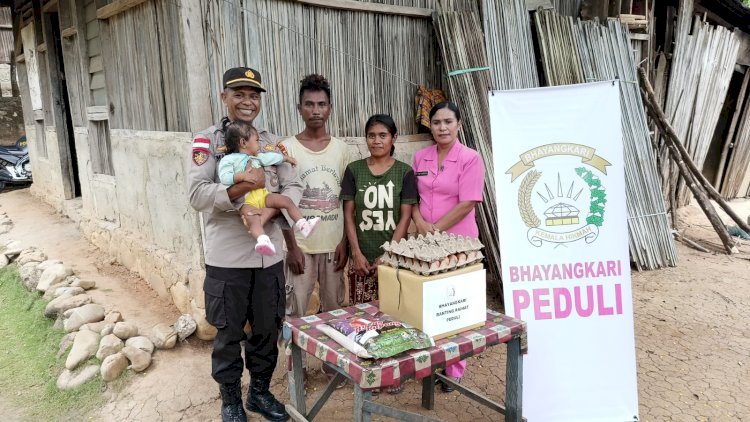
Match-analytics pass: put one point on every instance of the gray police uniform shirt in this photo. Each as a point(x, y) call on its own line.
point(227, 242)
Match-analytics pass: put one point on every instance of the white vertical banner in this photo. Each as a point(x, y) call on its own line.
point(559, 175)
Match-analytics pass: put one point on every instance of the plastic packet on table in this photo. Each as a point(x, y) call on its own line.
point(376, 338)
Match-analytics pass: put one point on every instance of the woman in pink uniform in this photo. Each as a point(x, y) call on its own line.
point(450, 182)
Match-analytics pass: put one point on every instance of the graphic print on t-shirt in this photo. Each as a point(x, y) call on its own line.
point(323, 197)
point(378, 212)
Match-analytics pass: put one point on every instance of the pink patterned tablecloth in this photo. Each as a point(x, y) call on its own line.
point(371, 374)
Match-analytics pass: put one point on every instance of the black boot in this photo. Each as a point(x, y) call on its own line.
point(231, 402)
point(260, 400)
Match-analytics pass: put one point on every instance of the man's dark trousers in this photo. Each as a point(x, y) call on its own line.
point(235, 296)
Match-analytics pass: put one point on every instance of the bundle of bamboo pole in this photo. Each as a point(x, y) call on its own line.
point(700, 187)
point(598, 53)
point(559, 51)
point(463, 51)
point(510, 49)
point(702, 67)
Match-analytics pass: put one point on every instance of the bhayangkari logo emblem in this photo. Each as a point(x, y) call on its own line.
point(559, 198)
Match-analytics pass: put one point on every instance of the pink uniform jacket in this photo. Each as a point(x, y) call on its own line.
point(461, 178)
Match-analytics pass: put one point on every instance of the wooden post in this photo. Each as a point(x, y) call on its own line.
point(199, 108)
point(672, 136)
point(514, 382)
point(60, 118)
point(428, 392)
point(691, 180)
point(297, 380)
point(360, 413)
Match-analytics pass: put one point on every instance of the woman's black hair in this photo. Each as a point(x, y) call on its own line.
point(384, 120)
point(450, 105)
point(236, 131)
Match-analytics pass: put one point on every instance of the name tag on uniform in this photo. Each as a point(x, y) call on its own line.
point(423, 173)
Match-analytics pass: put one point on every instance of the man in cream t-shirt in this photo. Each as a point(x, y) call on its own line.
point(321, 160)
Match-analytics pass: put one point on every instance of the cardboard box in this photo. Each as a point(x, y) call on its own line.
point(439, 305)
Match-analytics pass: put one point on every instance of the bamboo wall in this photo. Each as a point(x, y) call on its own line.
point(147, 84)
point(373, 61)
point(6, 36)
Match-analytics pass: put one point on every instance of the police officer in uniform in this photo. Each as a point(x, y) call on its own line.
point(241, 286)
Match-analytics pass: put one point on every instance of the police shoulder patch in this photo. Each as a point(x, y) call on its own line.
point(200, 156)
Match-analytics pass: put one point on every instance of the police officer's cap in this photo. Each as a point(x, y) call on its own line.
point(243, 76)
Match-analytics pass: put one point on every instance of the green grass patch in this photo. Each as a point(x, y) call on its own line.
point(28, 366)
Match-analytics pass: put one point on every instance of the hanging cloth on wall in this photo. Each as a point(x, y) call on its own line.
point(424, 101)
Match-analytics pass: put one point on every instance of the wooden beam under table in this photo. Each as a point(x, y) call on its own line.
point(415, 12)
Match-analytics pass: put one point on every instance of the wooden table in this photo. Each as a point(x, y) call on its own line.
point(367, 374)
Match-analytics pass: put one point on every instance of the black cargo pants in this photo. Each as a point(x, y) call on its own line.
point(235, 296)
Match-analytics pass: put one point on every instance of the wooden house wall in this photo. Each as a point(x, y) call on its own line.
point(90, 29)
point(6, 36)
point(147, 80)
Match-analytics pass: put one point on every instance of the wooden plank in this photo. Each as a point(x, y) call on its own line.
point(428, 392)
point(92, 29)
point(69, 32)
point(743, 56)
point(391, 412)
point(65, 13)
point(117, 6)
point(294, 414)
point(473, 395)
point(537, 4)
point(89, 12)
point(360, 414)
point(58, 106)
point(96, 64)
point(97, 81)
point(50, 7)
point(416, 12)
point(97, 113)
point(85, 98)
point(99, 96)
point(323, 397)
point(514, 381)
point(198, 83)
point(297, 380)
point(94, 47)
point(639, 37)
point(20, 58)
point(73, 76)
point(627, 17)
point(41, 47)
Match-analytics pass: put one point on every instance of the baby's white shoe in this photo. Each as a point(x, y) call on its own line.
point(306, 227)
point(264, 246)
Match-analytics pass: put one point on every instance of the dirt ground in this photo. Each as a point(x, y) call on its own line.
point(691, 324)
